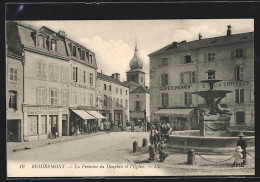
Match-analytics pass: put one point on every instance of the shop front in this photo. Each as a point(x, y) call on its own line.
point(81, 122)
point(137, 116)
point(179, 119)
point(39, 121)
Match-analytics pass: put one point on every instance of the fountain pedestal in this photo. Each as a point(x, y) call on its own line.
point(214, 125)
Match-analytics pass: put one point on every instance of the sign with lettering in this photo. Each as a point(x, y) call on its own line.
point(178, 87)
point(229, 84)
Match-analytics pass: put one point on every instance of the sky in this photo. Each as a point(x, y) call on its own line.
point(113, 41)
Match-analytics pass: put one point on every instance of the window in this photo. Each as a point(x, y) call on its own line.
point(142, 79)
point(165, 100)
point(84, 76)
point(54, 97)
point(110, 88)
point(53, 72)
point(187, 59)
point(137, 105)
point(239, 72)
point(164, 62)
point(239, 53)
point(240, 95)
point(74, 51)
point(105, 100)
point(91, 58)
point(91, 78)
point(212, 75)
point(32, 125)
point(126, 103)
point(137, 96)
point(75, 97)
point(121, 92)
point(116, 90)
point(85, 99)
point(188, 77)
point(121, 102)
point(64, 97)
point(126, 92)
point(41, 96)
point(164, 79)
point(40, 41)
point(105, 86)
point(43, 124)
point(83, 55)
point(13, 74)
point(53, 45)
point(40, 70)
point(240, 117)
point(187, 98)
point(64, 73)
point(211, 56)
point(91, 99)
point(252, 94)
point(12, 100)
point(75, 74)
point(56, 72)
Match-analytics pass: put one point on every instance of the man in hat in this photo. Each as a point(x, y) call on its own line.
point(242, 143)
point(154, 137)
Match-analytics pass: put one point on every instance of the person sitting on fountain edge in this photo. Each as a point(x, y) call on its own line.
point(165, 130)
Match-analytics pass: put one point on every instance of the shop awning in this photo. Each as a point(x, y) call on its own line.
point(178, 112)
point(83, 114)
point(96, 114)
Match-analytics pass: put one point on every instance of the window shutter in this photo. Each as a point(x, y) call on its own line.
point(17, 101)
point(190, 77)
point(162, 79)
point(166, 79)
point(181, 76)
point(241, 72)
point(44, 70)
point(236, 73)
point(233, 54)
point(206, 57)
point(242, 96)
point(76, 74)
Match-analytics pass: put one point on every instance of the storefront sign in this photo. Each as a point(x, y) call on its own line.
point(229, 84)
point(42, 108)
point(178, 87)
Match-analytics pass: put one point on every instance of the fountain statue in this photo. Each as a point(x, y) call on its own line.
point(214, 119)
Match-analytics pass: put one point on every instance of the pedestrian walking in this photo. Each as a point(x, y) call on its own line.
point(243, 144)
point(108, 126)
point(144, 126)
point(111, 126)
point(54, 131)
point(238, 157)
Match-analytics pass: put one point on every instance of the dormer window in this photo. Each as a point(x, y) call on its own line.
point(40, 41)
point(83, 55)
point(187, 59)
point(74, 51)
point(53, 45)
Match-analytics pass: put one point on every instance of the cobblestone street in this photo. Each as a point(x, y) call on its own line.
point(116, 149)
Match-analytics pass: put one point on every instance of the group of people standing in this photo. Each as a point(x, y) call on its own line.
point(107, 126)
point(140, 126)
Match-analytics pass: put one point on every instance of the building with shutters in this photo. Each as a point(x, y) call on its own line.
point(113, 99)
point(14, 95)
point(177, 69)
point(59, 81)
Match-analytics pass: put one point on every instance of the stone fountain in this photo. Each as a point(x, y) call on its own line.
point(213, 120)
point(213, 135)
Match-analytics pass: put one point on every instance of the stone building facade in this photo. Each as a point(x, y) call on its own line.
point(59, 78)
point(177, 69)
point(113, 99)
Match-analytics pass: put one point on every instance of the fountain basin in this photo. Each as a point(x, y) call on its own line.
point(191, 139)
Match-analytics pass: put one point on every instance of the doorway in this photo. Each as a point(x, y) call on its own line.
point(64, 125)
point(14, 130)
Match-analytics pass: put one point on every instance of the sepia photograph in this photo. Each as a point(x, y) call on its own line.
point(111, 98)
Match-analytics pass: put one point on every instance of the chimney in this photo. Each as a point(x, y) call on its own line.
point(62, 33)
point(199, 36)
point(117, 76)
point(229, 30)
point(175, 44)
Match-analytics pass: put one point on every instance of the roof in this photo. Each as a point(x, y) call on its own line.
point(204, 43)
point(132, 85)
point(140, 89)
point(110, 79)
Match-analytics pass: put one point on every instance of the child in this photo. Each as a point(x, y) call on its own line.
point(162, 150)
point(238, 157)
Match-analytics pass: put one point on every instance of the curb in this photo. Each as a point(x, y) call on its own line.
point(53, 142)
